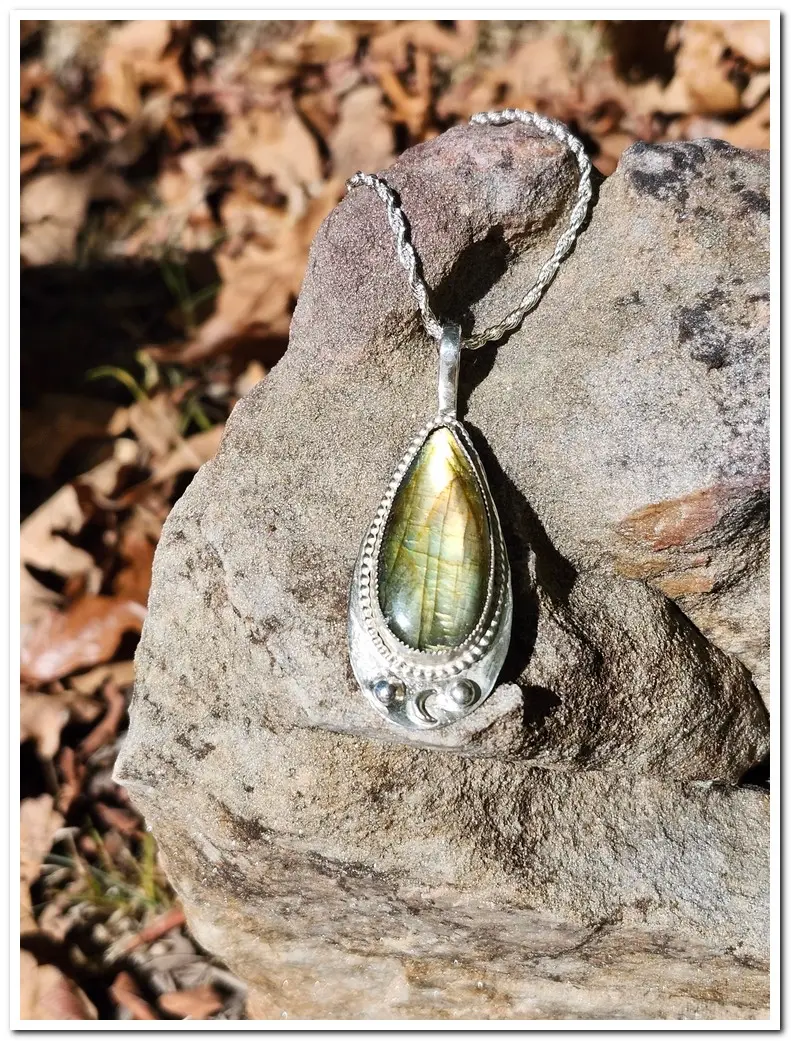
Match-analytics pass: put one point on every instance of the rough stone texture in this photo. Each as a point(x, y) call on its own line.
point(358, 880)
point(624, 431)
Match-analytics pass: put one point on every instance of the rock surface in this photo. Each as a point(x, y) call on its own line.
point(624, 431)
point(342, 878)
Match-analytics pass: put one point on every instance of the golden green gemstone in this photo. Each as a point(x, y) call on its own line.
point(434, 559)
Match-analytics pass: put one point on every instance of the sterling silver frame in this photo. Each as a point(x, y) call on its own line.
point(427, 689)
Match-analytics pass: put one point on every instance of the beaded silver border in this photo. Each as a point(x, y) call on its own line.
point(418, 688)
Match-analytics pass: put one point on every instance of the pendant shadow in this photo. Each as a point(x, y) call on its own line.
point(477, 269)
point(481, 265)
point(524, 535)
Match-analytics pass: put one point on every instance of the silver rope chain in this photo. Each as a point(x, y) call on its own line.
point(406, 253)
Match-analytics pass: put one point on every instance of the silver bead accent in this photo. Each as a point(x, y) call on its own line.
point(463, 692)
point(386, 691)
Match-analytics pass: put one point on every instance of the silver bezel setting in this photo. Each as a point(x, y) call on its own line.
point(422, 689)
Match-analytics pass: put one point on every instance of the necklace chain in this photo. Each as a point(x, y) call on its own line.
point(406, 253)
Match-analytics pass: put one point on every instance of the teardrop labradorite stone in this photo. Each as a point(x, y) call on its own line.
point(434, 558)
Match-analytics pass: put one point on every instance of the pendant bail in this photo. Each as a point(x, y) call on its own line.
point(449, 356)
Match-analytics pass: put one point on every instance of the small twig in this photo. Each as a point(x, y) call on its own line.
point(51, 775)
point(124, 991)
point(107, 728)
point(171, 919)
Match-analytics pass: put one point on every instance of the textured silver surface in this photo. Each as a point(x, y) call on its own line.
point(448, 384)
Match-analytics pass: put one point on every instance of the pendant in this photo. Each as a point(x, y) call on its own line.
point(430, 605)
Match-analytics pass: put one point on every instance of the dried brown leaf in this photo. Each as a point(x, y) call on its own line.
point(38, 824)
point(106, 731)
point(363, 138)
point(750, 39)
point(393, 45)
point(155, 422)
point(45, 140)
point(122, 673)
point(72, 773)
point(259, 285)
point(47, 994)
point(701, 73)
point(197, 1003)
point(410, 107)
point(86, 633)
point(52, 210)
point(756, 90)
point(125, 992)
point(132, 60)
point(58, 422)
point(43, 547)
point(44, 537)
point(753, 130)
point(124, 821)
point(136, 548)
point(42, 717)
point(191, 454)
point(117, 89)
point(61, 910)
point(280, 146)
point(252, 375)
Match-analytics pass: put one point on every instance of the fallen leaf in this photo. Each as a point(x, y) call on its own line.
point(191, 454)
point(117, 89)
point(106, 730)
point(253, 374)
point(410, 107)
point(136, 549)
point(748, 38)
point(756, 90)
point(185, 216)
point(52, 210)
point(155, 422)
point(197, 1003)
point(540, 69)
point(84, 634)
point(44, 538)
point(122, 820)
point(38, 824)
point(363, 138)
point(47, 994)
point(125, 992)
point(394, 44)
point(72, 773)
point(42, 717)
point(122, 673)
point(612, 147)
point(44, 547)
point(277, 145)
point(259, 286)
point(702, 73)
point(327, 40)
point(134, 59)
point(39, 140)
point(59, 913)
point(58, 422)
point(753, 130)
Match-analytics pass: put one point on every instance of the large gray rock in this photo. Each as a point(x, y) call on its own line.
point(624, 430)
point(344, 878)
